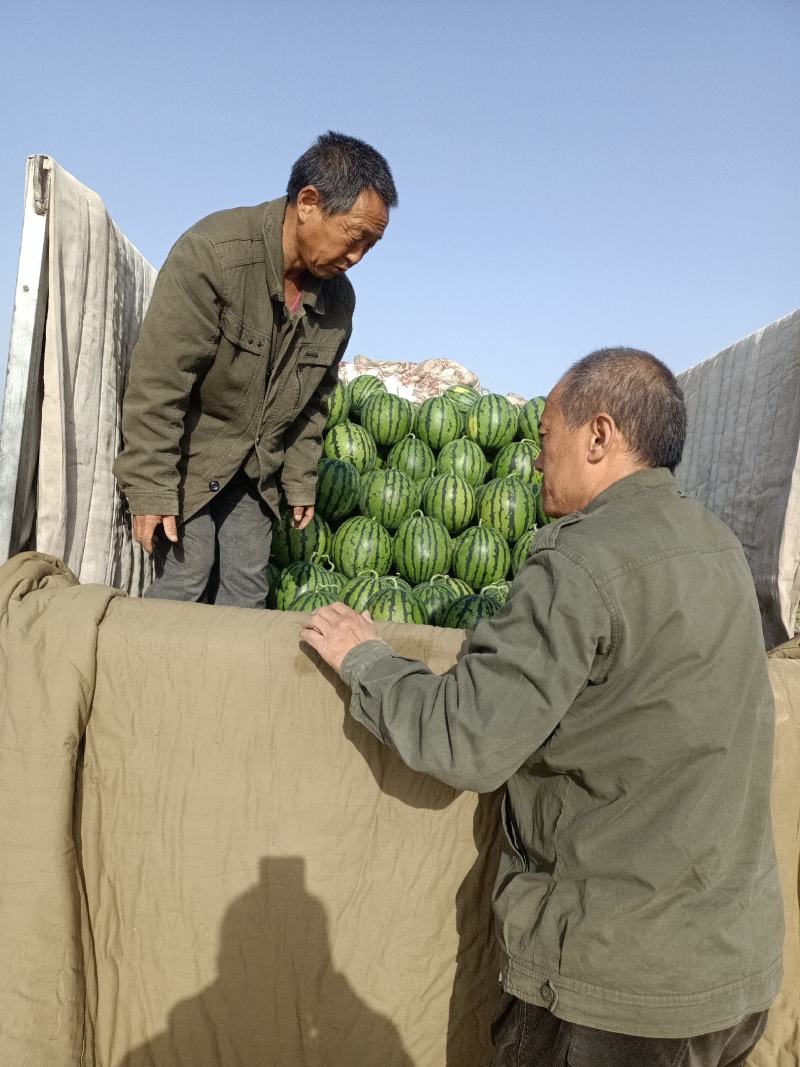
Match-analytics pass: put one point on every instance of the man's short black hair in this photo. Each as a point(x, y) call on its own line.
point(340, 168)
point(638, 391)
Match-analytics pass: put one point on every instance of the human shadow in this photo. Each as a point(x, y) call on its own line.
point(278, 1000)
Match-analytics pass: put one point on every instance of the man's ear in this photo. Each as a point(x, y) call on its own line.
point(603, 433)
point(308, 201)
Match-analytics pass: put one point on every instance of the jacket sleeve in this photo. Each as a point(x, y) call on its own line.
point(177, 343)
point(474, 727)
point(303, 440)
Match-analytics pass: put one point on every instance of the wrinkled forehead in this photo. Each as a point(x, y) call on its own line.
point(552, 410)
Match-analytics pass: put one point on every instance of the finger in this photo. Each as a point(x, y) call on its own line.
point(313, 640)
point(297, 517)
point(170, 527)
point(366, 615)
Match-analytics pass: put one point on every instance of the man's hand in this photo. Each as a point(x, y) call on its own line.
point(335, 630)
point(144, 527)
point(302, 516)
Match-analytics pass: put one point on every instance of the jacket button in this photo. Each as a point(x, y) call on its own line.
point(546, 992)
point(214, 486)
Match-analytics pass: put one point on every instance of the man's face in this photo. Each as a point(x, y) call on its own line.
point(331, 244)
point(563, 461)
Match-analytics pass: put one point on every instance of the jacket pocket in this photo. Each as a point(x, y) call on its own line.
point(511, 831)
point(313, 360)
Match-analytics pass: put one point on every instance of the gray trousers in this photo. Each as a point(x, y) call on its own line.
point(222, 552)
point(527, 1036)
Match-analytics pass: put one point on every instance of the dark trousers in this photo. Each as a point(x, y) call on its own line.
point(222, 552)
point(526, 1036)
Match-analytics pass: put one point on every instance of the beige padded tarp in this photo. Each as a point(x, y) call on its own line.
point(741, 458)
point(250, 879)
point(205, 863)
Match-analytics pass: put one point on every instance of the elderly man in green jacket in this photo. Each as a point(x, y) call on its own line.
point(238, 351)
point(621, 698)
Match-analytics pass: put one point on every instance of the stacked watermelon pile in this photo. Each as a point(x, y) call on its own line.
point(423, 512)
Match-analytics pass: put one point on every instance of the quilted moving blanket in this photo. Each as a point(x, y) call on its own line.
point(205, 863)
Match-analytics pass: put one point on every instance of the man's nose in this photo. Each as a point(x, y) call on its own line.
point(354, 257)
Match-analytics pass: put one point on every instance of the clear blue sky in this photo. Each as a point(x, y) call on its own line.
point(570, 174)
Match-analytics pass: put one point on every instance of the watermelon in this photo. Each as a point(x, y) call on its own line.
point(361, 389)
point(508, 506)
point(434, 598)
point(413, 457)
point(438, 422)
point(492, 421)
point(362, 544)
point(464, 458)
point(542, 518)
point(387, 418)
point(313, 599)
point(528, 421)
point(466, 612)
point(395, 604)
point(480, 557)
point(337, 406)
point(449, 499)
point(521, 550)
point(290, 545)
point(497, 592)
point(421, 548)
point(357, 591)
point(388, 496)
point(518, 459)
point(463, 396)
point(352, 442)
point(301, 578)
point(338, 485)
point(459, 587)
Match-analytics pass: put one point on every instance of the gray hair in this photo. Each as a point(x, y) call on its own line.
point(340, 168)
point(638, 391)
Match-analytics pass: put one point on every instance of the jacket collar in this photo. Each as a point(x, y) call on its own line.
point(658, 478)
point(272, 230)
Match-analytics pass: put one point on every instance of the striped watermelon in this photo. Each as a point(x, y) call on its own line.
point(338, 484)
point(290, 545)
point(360, 389)
point(459, 587)
point(508, 506)
point(273, 577)
point(337, 406)
point(362, 544)
point(521, 550)
point(413, 457)
point(438, 422)
point(464, 458)
point(529, 417)
point(434, 598)
point(498, 591)
point(463, 396)
point(301, 578)
point(313, 599)
point(480, 557)
point(352, 442)
point(466, 612)
point(542, 518)
point(394, 603)
point(492, 422)
point(387, 418)
point(357, 591)
point(518, 459)
point(388, 496)
point(449, 499)
point(421, 548)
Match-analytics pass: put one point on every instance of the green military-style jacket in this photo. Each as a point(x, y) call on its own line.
point(222, 375)
point(622, 698)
